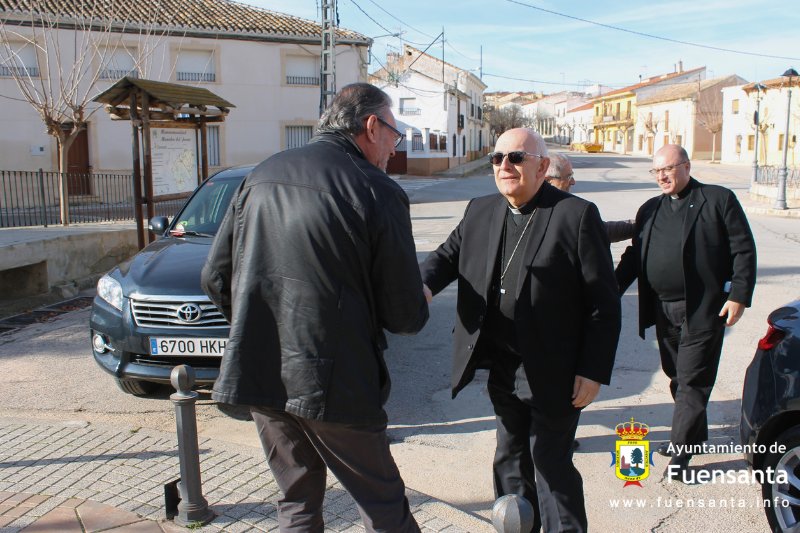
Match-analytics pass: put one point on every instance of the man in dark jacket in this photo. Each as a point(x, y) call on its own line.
point(560, 175)
point(525, 259)
point(695, 259)
point(314, 259)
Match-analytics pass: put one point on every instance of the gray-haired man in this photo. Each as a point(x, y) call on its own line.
point(314, 259)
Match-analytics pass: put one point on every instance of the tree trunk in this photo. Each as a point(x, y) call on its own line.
point(713, 147)
point(63, 181)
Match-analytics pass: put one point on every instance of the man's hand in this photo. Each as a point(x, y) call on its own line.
point(584, 391)
point(427, 292)
point(733, 310)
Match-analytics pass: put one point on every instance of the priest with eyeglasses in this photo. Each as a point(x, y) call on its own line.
point(538, 306)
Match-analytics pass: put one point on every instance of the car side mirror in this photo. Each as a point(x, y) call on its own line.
point(158, 225)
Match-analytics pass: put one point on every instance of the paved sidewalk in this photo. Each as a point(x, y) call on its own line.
point(84, 478)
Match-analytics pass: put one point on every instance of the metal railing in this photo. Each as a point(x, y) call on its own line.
point(6, 71)
point(302, 80)
point(410, 111)
point(196, 76)
point(117, 73)
point(769, 175)
point(32, 198)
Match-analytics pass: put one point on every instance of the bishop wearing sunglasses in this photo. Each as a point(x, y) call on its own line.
point(524, 259)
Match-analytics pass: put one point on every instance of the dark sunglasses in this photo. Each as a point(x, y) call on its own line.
point(397, 132)
point(515, 158)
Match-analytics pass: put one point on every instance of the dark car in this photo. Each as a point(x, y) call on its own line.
point(150, 313)
point(770, 425)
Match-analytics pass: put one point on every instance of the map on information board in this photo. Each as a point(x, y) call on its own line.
point(174, 156)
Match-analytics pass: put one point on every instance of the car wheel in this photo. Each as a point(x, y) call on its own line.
point(237, 412)
point(136, 387)
point(783, 512)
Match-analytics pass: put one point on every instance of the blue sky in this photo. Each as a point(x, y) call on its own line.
point(559, 52)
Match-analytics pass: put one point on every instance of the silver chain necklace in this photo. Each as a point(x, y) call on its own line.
point(508, 264)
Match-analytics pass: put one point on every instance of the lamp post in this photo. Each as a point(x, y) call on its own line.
point(780, 200)
point(757, 121)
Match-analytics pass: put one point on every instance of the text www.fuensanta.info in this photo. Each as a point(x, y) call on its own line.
point(700, 503)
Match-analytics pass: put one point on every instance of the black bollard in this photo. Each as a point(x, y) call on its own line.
point(193, 508)
point(512, 514)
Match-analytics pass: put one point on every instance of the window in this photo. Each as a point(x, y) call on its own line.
point(212, 146)
point(679, 140)
point(641, 142)
point(666, 120)
point(416, 143)
point(628, 110)
point(302, 70)
point(738, 144)
point(443, 142)
point(666, 139)
point(751, 143)
point(119, 63)
point(735, 106)
point(297, 136)
point(195, 65)
point(408, 106)
point(433, 140)
point(454, 145)
point(780, 141)
point(20, 61)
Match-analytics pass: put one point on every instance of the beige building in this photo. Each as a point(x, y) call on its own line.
point(688, 114)
point(265, 63)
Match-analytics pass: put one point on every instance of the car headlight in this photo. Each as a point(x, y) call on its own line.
point(110, 290)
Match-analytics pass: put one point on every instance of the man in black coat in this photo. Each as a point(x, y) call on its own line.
point(314, 259)
point(537, 304)
point(695, 259)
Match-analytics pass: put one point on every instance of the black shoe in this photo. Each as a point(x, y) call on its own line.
point(663, 449)
point(677, 469)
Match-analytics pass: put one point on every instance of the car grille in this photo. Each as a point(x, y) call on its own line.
point(177, 314)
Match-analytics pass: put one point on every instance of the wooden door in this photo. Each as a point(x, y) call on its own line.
point(78, 165)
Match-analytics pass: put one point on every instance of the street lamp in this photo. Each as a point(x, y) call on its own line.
point(757, 121)
point(780, 200)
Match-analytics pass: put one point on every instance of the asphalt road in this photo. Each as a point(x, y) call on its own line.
point(444, 447)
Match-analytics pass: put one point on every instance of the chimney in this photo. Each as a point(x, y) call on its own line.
point(680, 66)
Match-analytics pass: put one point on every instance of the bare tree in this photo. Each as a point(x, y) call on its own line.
point(507, 118)
point(708, 113)
point(61, 86)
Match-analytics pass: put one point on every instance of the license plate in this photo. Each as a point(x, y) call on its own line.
point(187, 346)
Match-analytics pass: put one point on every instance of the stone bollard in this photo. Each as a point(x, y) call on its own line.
point(512, 514)
point(193, 508)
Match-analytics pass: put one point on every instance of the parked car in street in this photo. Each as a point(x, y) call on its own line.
point(150, 313)
point(770, 423)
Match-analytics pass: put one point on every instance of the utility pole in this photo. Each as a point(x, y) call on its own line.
point(327, 64)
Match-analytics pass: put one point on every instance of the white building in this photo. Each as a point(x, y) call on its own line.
point(739, 130)
point(264, 63)
point(439, 106)
point(581, 122)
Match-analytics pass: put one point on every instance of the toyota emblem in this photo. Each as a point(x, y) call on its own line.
point(189, 313)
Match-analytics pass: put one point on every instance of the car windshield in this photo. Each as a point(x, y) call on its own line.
point(205, 210)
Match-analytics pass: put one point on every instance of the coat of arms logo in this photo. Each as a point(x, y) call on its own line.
point(632, 457)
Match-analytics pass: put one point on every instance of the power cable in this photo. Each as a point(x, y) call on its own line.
point(400, 21)
point(384, 28)
point(642, 34)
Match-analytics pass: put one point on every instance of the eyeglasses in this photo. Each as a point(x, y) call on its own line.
point(515, 158)
point(669, 169)
point(397, 132)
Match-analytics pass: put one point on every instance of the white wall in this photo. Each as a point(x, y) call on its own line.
point(249, 75)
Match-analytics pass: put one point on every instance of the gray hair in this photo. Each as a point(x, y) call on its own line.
point(557, 163)
point(351, 106)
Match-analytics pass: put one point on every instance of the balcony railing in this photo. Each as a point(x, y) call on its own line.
point(302, 80)
point(8, 72)
point(196, 76)
point(117, 73)
point(410, 111)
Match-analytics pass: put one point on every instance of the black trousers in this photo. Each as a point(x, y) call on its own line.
point(690, 360)
point(533, 458)
point(299, 450)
